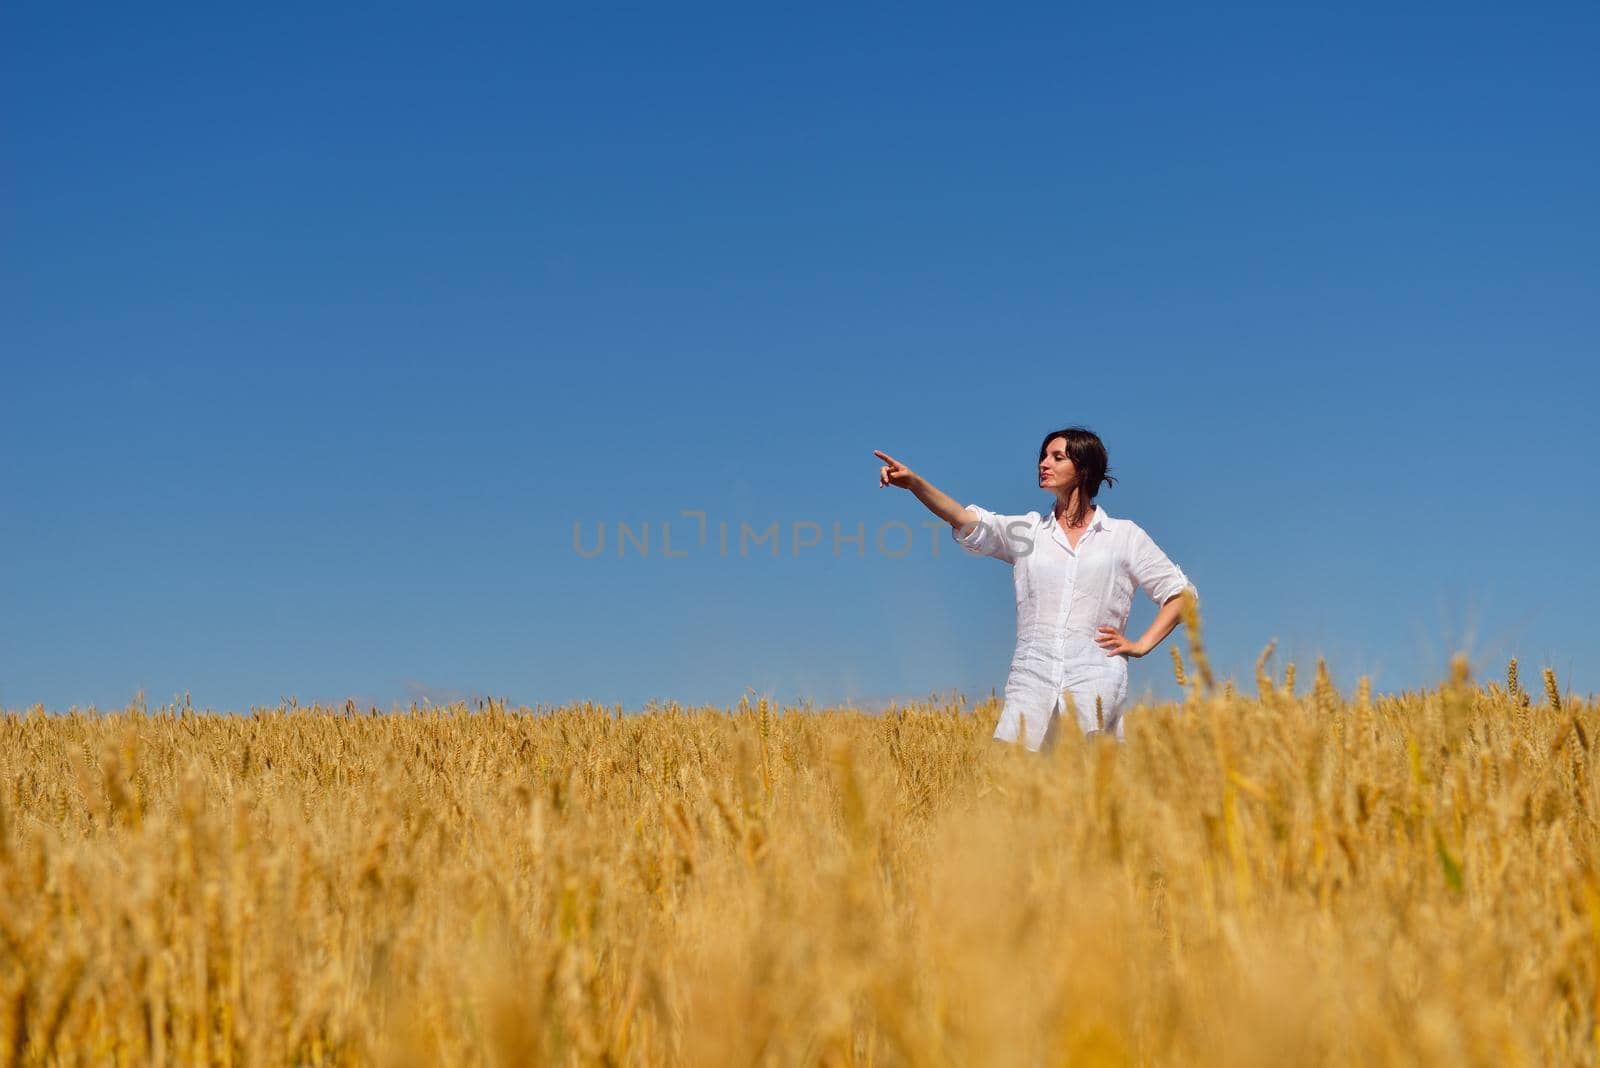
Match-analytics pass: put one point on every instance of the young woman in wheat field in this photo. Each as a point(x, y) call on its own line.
point(1074, 569)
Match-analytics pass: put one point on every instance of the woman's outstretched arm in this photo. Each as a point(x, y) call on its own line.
point(941, 504)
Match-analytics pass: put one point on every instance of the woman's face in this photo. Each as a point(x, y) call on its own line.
point(1056, 470)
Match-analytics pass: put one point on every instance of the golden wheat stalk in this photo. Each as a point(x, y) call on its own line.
point(1197, 649)
point(1264, 687)
point(1551, 691)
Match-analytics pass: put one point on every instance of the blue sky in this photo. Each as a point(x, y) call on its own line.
point(321, 326)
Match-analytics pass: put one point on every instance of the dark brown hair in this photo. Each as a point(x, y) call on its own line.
point(1088, 455)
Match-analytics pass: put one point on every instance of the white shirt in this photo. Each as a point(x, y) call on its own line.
point(1063, 596)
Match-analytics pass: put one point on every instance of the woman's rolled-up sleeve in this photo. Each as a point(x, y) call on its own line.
point(992, 535)
point(1154, 573)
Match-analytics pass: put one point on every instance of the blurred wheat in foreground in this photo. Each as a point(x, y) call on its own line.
point(1285, 879)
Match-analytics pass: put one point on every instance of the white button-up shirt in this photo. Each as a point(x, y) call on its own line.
point(1064, 595)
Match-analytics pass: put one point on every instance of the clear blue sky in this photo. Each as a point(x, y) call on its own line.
point(321, 326)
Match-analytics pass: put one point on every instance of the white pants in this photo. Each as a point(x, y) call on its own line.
point(1033, 700)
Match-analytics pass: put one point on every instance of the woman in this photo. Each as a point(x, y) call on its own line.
point(1075, 569)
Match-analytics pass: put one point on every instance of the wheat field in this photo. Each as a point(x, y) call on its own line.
point(1271, 878)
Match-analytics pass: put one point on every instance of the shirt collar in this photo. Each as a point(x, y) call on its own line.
point(1100, 520)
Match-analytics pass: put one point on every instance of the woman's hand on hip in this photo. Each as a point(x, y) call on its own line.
point(1115, 643)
